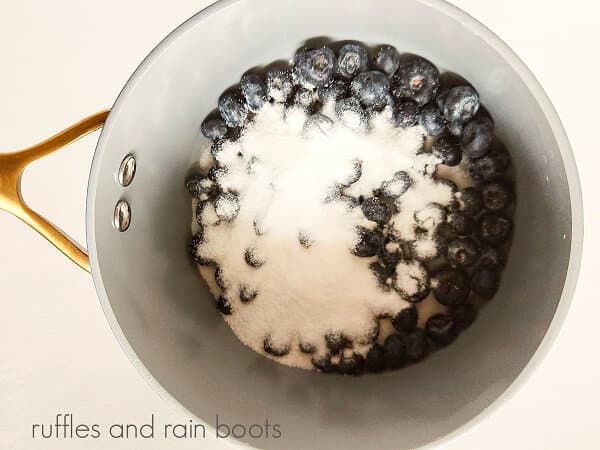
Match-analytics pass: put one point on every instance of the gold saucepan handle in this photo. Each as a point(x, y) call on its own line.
point(12, 166)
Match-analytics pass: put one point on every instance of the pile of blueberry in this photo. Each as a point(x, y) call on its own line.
point(460, 249)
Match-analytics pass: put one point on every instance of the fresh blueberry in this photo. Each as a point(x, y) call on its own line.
point(305, 240)
point(460, 223)
point(387, 59)
point(496, 196)
point(405, 320)
point(336, 341)
point(412, 281)
point(486, 280)
point(416, 79)
point(353, 59)
point(227, 206)
point(304, 98)
point(376, 211)
point(355, 173)
point(314, 68)
point(415, 345)
point(223, 305)
point(394, 349)
point(280, 84)
point(307, 348)
point(382, 271)
point(463, 252)
point(477, 136)
point(333, 91)
point(220, 279)
point(247, 294)
point(432, 120)
point(253, 258)
point(447, 149)
point(495, 229)
point(254, 91)
point(406, 114)
point(317, 125)
point(441, 329)
point(470, 201)
point(216, 173)
point(351, 114)
point(492, 257)
point(464, 315)
point(375, 360)
point(352, 365)
point(490, 167)
point(201, 188)
point(451, 287)
point(193, 250)
point(455, 129)
point(233, 109)
point(369, 242)
point(214, 129)
point(274, 350)
point(397, 186)
point(371, 88)
point(460, 104)
point(323, 364)
point(430, 217)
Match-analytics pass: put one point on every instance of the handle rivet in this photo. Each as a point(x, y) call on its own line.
point(126, 171)
point(122, 217)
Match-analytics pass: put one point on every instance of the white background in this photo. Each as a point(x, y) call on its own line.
point(62, 60)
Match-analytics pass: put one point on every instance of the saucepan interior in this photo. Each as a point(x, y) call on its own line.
point(164, 316)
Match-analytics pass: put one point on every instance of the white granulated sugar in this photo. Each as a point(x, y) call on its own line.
point(305, 290)
point(425, 248)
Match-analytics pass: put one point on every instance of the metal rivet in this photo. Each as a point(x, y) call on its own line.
point(122, 217)
point(126, 171)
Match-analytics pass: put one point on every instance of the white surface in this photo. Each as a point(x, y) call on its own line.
point(65, 60)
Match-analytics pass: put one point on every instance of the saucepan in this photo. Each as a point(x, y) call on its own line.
point(138, 222)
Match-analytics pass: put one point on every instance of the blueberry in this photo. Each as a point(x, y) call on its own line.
point(394, 349)
point(464, 315)
point(460, 104)
point(463, 252)
point(455, 129)
point(415, 345)
point(355, 173)
point(304, 98)
point(351, 114)
point(247, 294)
point(441, 329)
point(251, 165)
point(490, 167)
point(280, 84)
point(223, 305)
point(324, 364)
point(201, 188)
point(227, 206)
point(307, 348)
point(274, 350)
point(254, 91)
point(375, 360)
point(430, 217)
point(253, 258)
point(314, 68)
point(220, 279)
point(387, 59)
point(460, 223)
point(492, 257)
point(406, 320)
point(470, 201)
point(382, 271)
point(412, 281)
point(376, 211)
point(353, 365)
point(416, 79)
point(216, 173)
point(496, 196)
point(353, 58)
point(447, 149)
point(477, 136)
point(369, 242)
point(486, 280)
point(406, 114)
point(451, 287)
point(213, 129)
point(193, 248)
point(317, 125)
point(432, 120)
point(371, 88)
point(397, 186)
point(233, 109)
point(336, 341)
point(495, 229)
point(305, 240)
point(333, 91)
